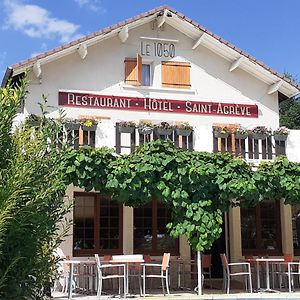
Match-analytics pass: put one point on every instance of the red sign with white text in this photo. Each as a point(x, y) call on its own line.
point(156, 105)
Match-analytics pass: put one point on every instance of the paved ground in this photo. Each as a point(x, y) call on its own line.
point(184, 296)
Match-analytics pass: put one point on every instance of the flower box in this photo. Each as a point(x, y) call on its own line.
point(124, 129)
point(221, 132)
point(259, 136)
point(164, 128)
point(183, 129)
point(183, 132)
point(88, 124)
point(241, 136)
point(145, 127)
point(145, 130)
point(281, 133)
point(260, 132)
point(164, 131)
point(280, 137)
point(89, 128)
point(72, 126)
point(222, 135)
point(127, 127)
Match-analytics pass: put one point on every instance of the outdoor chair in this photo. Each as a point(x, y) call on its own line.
point(135, 271)
point(63, 271)
point(255, 269)
point(164, 273)
point(206, 267)
point(228, 272)
point(293, 269)
point(110, 271)
point(280, 270)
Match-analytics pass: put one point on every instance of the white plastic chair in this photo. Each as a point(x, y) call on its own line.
point(63, 271)
point(110, 275)
point(228, 272)
point(164, 273)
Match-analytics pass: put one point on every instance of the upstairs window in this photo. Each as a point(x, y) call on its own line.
point(176, 74)
point(133, 70)
point(136, 72)
point(146, 74)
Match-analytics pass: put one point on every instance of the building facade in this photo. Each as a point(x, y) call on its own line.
point(162, 67)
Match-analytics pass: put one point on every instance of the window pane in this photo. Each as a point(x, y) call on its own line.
point(164, 241)
point(142, 239)
point(84, 223)
point(109, 224)
point(248, 227)
point(260, 228)
point(143, 227)
point(268, 228)
point(146, 75)
point(145, 224)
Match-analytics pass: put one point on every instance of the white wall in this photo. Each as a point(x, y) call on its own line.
point(293, 146)
point(102, 71)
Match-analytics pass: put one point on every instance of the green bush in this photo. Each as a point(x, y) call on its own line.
point(32, 206)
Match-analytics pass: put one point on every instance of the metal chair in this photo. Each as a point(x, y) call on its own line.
point(135, 270)
point(228, 272)
point(206, 266)
point(281, 269)
point(164, 273)
point(113, 275)
point(293, 269)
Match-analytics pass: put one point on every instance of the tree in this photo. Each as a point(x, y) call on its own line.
point(289, 109)
point(289, 112)
point(32, 188)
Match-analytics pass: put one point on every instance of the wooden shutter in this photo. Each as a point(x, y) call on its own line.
point(176, 74)
point(228, 144)
point(133, 70)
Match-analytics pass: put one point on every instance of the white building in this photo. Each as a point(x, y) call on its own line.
point(162, 66)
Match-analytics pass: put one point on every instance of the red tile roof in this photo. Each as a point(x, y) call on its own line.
point(32, 60)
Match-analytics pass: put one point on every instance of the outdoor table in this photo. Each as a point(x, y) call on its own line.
point(71, 263)
point(266, 260)
point(127, 259)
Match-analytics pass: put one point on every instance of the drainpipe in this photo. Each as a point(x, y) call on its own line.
point(7, 76)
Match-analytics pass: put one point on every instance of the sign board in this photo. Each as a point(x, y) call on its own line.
point(156, 105)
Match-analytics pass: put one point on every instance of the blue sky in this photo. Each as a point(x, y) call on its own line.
point(267, 29)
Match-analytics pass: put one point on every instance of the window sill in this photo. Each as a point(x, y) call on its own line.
point(158, 89)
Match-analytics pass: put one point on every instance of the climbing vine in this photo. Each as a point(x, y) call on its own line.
point(89, 168)
point(198, 186)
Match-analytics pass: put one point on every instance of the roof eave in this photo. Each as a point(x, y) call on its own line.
point(186, 25)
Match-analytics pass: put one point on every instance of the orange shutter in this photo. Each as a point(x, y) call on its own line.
point(231, 127)
point(80, 136)
point(176, 74)
point(133, 70)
